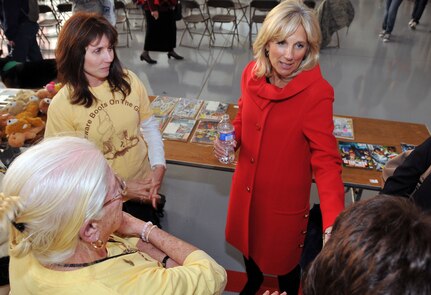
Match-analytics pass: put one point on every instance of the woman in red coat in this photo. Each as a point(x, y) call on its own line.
point(284, 127)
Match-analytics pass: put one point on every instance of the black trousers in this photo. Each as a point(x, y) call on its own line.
point(288, 283)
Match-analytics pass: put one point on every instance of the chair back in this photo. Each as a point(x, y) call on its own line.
point(43, 8)
point(190, 4)
point(221, 4)
point(64, 7)
point(264, 5)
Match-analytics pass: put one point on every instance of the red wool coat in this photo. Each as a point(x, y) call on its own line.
point(285, 137)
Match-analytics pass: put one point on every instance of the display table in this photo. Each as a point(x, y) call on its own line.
point(373, 131)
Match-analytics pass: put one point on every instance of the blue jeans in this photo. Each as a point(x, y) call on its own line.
point(418, 9)
point(26, 47)
point(390, 15)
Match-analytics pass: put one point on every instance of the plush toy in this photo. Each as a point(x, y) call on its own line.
point(44, 93)
point(3, 122)
point(15, 107)
point(53, 87)
point(19, 130)
point(44, 104)
point(24, 96)
point(31, 110)
point(15, 125)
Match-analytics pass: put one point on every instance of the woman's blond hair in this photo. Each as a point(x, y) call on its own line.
point(280, 23)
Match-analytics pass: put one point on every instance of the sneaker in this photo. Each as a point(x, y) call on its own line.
point(386, 37)
point(382, 33)
point(410, 22)
point(413, 25)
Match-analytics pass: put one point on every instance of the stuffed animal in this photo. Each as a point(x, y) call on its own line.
point(19, 130)
point(53, 87)
point(15, 107)
point(15, 125)
point(44, 104)
point(44, 93)
point(31, 110)
point(3, 122)
point(24, 96)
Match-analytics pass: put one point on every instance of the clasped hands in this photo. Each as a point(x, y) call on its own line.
point(147, 189)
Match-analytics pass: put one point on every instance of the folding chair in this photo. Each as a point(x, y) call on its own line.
point(241, 6)
point(258, 11)
point(194, 17)
point(64, 11)
point(215, 9)
point(48, 20)
point(122, 18)
point(136, 16)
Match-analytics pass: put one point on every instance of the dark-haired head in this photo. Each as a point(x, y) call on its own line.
point(78, 32)
point(378, 246)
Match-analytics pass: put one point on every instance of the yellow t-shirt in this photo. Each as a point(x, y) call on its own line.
point(135, 273)
point(112, 124)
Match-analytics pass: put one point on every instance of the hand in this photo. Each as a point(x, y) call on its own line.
point(130, 226)
point(155, 14)
point(274, 293)
point(219, 150)
point(156, 182)
point(139, 189)
point(327, 235)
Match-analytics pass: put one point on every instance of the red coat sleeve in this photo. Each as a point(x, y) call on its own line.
point(325, 159)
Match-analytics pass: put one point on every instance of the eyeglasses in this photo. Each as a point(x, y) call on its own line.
point(121, 194)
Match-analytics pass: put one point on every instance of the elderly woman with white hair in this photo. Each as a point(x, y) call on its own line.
point(62, 205)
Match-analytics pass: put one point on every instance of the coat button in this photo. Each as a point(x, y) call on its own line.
point(252, 160)
point(301, 245)
point(257, 126)
point(248, 189)
point(304, 232)
point(306, 215)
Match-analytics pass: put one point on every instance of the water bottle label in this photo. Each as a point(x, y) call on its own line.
point(227, 136)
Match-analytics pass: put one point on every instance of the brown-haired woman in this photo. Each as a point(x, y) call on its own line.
point(106, 104)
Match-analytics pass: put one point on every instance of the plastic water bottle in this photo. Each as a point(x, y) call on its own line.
point(226, 136)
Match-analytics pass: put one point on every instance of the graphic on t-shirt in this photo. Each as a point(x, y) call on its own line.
point(114, 143)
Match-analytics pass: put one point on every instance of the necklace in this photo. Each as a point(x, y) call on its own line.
point(126, 251)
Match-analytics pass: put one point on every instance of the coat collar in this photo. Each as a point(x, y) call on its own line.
point(267, 93)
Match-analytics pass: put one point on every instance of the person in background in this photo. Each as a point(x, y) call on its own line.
point(62, 205)
point(406, 180)
point(108, 105)
point(161, 32)
point(381, 245)
point(102, 7)
point(388, 24)
point(284, 128)
point(418, 10)
point(20, 28)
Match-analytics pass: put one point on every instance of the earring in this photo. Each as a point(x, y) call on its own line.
point(98, 244)
point(266, 53)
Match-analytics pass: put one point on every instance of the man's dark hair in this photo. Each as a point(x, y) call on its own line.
point(378, 246)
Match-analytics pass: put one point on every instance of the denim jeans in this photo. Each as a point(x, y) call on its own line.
point(390, 15)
